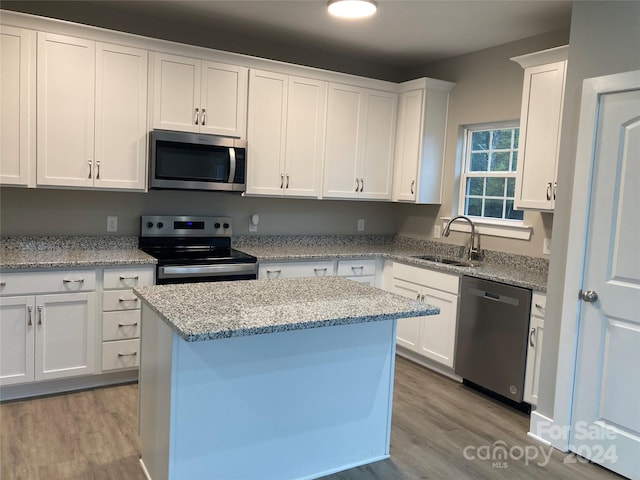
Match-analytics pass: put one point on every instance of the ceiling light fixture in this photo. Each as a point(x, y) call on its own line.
point(352, 8)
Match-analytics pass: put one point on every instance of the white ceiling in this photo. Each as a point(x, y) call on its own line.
point(402, 33)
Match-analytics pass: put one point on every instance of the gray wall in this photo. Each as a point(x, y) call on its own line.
point(74, 212)
point(605, 39)
point(488, 89)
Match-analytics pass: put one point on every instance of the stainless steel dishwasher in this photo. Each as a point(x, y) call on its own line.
point(491, 346)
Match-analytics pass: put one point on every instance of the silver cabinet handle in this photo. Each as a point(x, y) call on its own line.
point(128, 354)
point(135, 277)
point(549, 191)
point(418, 297)
point(357, 184)
point(282, 180)
point(90, 167)
point(413, 182)
point(362, 184)
point(274, 271)
point(555, 188)
point(97, 169)
point(357, 268)
point(422, 297)
point(30, 315)
point(134, 324)
point(196, 116)
point(324, 270)
point(204, 117)
point(541, 307)
point(287, 185)
point(81, 280)
point(3, 284)
point(532, 337)
point(40, 319)
point(127, 299)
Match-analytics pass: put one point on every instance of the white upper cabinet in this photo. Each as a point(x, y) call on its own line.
point(121, 117)
point(420, 137)
point(66, 110)
point(285, 134)
point(192, 95)
point(92, 104)
point(540, 124)
point(17, 106)
point(359, 146)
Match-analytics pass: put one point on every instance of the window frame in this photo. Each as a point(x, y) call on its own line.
point(465, 159)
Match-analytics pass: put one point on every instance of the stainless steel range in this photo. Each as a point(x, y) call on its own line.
point(194, 249)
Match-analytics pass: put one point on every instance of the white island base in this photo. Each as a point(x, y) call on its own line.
point(278, 406)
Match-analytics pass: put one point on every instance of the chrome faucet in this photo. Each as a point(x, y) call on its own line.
point(447, 231)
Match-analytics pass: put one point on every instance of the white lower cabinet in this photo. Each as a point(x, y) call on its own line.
point(121, 316)
point(432, 337)
point(534, 348)
point(47, 336)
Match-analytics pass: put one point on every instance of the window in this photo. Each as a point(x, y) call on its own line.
point(489, 173)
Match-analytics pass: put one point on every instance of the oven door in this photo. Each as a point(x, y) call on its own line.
point(206, 273)
point(189, 161)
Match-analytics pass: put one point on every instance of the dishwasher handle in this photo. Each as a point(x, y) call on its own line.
point(494, 297)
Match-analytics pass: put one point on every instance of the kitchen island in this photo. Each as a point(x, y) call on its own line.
point(266, 380)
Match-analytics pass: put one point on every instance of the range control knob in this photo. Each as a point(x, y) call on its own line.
point(216, 225)
point(226, 225)
point(160, 225)
point(149, 224)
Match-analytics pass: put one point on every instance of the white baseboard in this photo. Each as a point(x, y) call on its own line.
point(425, 362)
point(546, 431)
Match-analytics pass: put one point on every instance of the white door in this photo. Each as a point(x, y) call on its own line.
point(65, 335)
point(224, 99)
point(17, 106)
point(121, 117)
point(408, 329)
point(376, 161)
point(66, 106)
point(342, 145)
point(305, 137)
point(266, 132)
point(176, 93)
point(17, 329)
point(606, 408)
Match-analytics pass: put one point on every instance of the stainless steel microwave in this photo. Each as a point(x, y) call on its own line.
point(192, 161)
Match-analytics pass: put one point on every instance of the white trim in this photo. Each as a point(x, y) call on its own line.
point(540, 428)
point(557, 54)
point(490, 228)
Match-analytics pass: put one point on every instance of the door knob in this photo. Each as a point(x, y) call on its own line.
point(590, 296)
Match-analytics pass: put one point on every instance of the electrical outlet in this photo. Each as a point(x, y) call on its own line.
point(437, 231)
point(112, 224)
point(546, 246)
point(361, 224)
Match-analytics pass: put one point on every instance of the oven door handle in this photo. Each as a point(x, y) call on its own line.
point(206, 270)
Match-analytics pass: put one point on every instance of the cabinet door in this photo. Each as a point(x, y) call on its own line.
point(408, 329)
point(17, 106)
point(176, 93)
point(224, 99)
point(342, 145)
point(438, 332)
point(121, 117)
point(16, 340)
point(66, 99)
point(305, 137)
point(266, 133)
point(408, 145)
point(65, 335)
point(534, 349)
point(540, 122)
point(378, 137)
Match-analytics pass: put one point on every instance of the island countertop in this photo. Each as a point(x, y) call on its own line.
point(208, 311)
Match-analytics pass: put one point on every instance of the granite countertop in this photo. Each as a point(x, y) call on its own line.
point(18, 253)
point(207, 311)
point(518, 270)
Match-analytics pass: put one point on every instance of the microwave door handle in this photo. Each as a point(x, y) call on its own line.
point(232, 164)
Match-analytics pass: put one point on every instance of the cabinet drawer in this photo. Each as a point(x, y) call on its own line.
point(353, 268)
point(121, 325)
point(296, 270)
point(55, 281)
point(120, 354)
point(120, 300)
point(128, 277)
point(430, 278)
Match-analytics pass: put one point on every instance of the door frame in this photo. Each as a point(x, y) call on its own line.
point(552, 430)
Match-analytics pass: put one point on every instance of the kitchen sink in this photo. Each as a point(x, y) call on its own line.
point(444, 260)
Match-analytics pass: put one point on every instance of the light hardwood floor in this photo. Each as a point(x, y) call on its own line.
point(92, 435)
